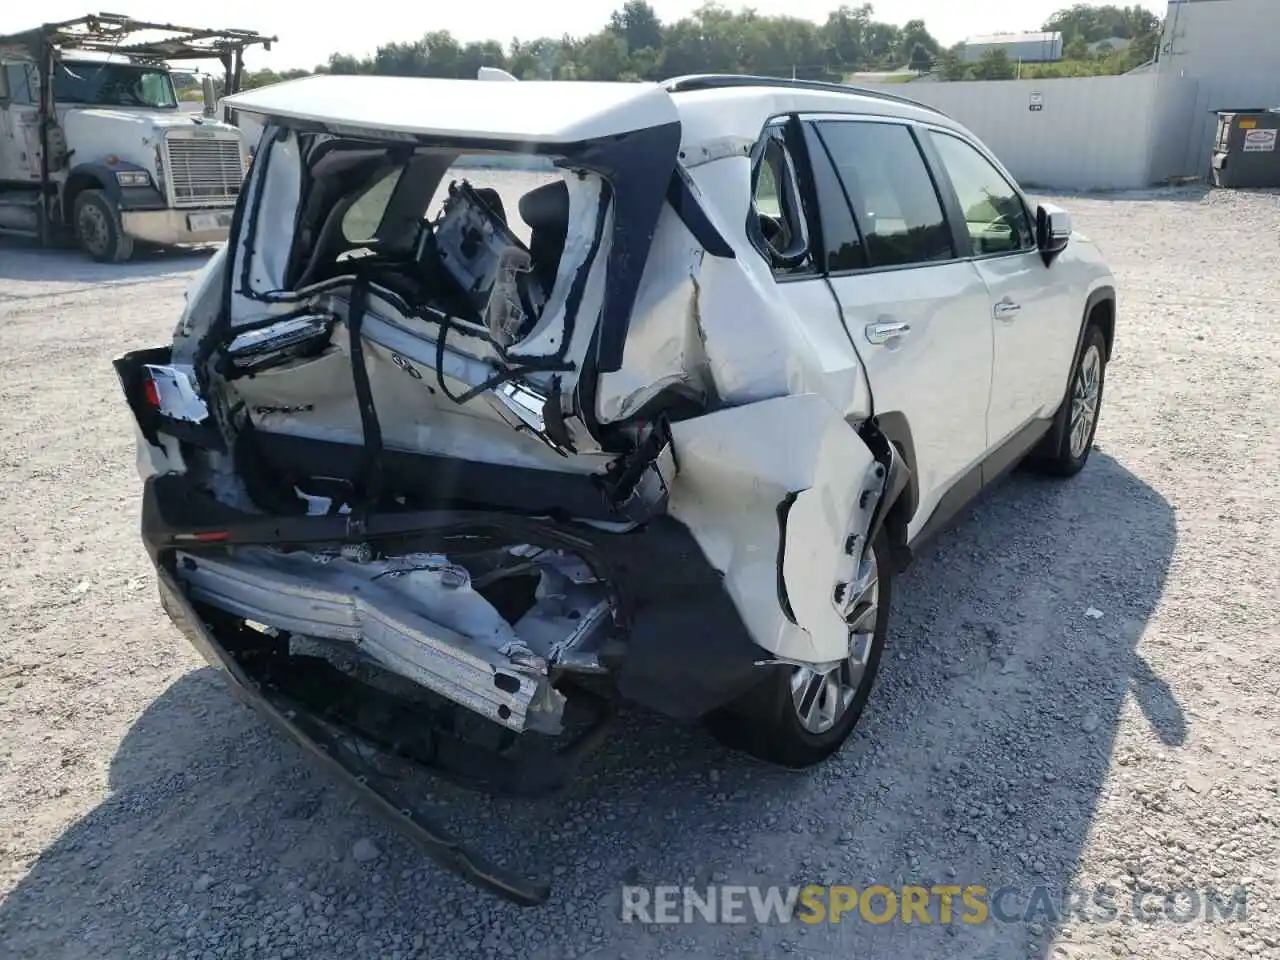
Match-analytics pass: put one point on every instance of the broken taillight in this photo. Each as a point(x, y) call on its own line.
point(170, 389)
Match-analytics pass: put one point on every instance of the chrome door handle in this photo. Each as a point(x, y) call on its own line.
point(1006, 309)
point(883, 332)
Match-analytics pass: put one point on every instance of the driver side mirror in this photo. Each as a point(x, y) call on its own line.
point(1053, 231)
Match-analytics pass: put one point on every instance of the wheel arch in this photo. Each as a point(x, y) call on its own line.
point(1099, 308)
point(87, 176)
point(905, 499)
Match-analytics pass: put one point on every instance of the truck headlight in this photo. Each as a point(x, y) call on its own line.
point(133, 178)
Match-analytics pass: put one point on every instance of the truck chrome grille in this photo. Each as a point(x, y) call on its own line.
point(203, 171)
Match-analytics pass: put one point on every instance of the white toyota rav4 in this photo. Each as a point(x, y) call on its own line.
point(414, 481)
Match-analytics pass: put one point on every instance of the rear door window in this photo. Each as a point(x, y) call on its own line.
point(890, 190)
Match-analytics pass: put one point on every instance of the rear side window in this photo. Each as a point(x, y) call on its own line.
point(994, 216)
point(361, 222)
point(776, 224)
point(893, 197)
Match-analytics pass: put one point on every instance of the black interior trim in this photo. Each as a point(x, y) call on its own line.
point(684, 201)
point(439, 479)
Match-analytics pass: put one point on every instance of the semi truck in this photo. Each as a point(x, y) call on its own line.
point(95, 146)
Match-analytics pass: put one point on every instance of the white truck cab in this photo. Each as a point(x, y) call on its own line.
point(95, 145)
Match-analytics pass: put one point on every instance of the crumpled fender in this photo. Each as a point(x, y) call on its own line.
point(781, 496)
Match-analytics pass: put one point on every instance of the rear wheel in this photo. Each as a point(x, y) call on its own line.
point(98, 228)
point(1077, 419)
point(799, 716)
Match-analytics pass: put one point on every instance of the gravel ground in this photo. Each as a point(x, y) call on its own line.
point(1015, 737)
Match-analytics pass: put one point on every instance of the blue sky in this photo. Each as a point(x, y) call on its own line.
point(308, 32)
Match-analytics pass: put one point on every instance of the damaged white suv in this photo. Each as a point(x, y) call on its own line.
point(413, 481)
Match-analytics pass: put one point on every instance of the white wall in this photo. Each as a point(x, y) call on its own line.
point(1092, 133)
point(1175, 133)
point(1228, 50)
point(1207, 38)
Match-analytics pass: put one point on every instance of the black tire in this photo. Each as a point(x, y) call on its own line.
point(1062, 455)
point(98, 230)
point(766, 723)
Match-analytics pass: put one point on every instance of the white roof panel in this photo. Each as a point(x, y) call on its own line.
point(524, 112)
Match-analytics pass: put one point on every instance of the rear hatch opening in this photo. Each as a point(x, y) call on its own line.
point(458, 260)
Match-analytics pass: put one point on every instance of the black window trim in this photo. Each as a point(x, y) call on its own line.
point(793, 141)
point(954, 209)
point(815, 146)
point(812, 120)
point(954, 215)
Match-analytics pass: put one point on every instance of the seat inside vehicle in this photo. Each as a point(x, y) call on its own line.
point(493, 200)
point(546, 210)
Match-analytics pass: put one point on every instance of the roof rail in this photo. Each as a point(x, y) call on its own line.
point(719, 81)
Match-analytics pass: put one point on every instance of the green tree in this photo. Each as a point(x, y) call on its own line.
point(914, 34)
point(602, 56)
point(950, 64)
point(994, 65)
point(476, 55)
point(646, 64)
point(1084, 24)
point(882, 43)
point(634, 44)
point(843, 35)
point(637, 23)
point(1093, 23)
point(921, 61)
point(344, 63)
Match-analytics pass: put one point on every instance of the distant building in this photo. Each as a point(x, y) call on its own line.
point(1027, 47)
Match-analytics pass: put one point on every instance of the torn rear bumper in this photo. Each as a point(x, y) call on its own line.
point(667, 592)
point(333, 753)
point(320, 601)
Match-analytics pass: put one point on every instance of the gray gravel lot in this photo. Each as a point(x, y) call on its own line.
point(1013, 739)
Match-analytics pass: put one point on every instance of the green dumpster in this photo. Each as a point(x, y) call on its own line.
point(1245, 151)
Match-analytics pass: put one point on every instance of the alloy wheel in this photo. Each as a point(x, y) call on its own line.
point(1084, 399)
point(821, 698)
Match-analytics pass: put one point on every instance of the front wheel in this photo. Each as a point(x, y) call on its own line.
point(797, 716)
point(1077, 419)
point(98, 228)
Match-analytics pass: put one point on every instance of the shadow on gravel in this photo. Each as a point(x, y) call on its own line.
point(981, 760)
point(26, 261)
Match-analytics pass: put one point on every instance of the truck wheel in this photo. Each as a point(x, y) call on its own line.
point(98, 228)
point(797, 717)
